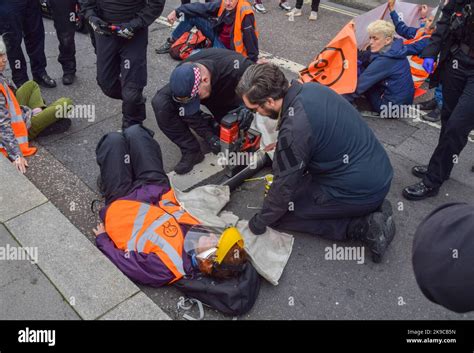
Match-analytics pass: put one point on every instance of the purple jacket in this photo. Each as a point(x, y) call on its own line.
point(140, 267)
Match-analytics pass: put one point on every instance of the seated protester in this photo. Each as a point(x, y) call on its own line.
point(442, 256)
point(331, 174)
point(385, 75)
point(23, 115)
point(227, 24)
point(145, 232)
point(416, 40)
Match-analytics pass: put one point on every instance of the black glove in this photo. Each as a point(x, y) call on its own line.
point(255, 228)
point(245, 118)
point(99, 26)
point(128, 30)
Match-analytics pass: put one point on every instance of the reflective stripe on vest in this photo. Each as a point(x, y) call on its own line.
point(19, 127)
point(243, 9)
point(158, 240)
point(138, 225)
point(150, 228)
point(418, 73)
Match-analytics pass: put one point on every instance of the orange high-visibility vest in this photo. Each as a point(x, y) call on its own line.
point(416, 63)
point(243, 9)
point(142, 227)
point(18, 124)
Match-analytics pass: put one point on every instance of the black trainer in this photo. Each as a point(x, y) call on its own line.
point(433, 116)
point(375, 231)
point(419, 170)
point(188, 161)
point(385, 209)
point(165, 48)
point(428, 105)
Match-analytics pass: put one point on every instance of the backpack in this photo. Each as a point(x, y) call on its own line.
point(234, 296)
point(187, 43)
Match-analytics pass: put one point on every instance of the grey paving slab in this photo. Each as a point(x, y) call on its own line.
point(25, 292)
point(390, 131)
point(65, 190)
point(138, 307)
point(81, 273)
point(17, 193)
point(420, 146)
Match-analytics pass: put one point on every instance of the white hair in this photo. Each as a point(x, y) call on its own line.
point(3, 48)
point(385, 28)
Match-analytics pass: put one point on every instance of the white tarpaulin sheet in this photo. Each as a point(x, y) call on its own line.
point(269, 252)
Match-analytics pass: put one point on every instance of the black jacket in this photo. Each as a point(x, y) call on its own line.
point(121, 11)
point(322, 134)
point(226, 67)
point(209, 11)
point(443, 41)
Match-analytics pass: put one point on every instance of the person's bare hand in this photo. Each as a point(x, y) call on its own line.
point(172, 18)
point(262, 61)
point(391, 5)
point(21, 164)
point(99, 230)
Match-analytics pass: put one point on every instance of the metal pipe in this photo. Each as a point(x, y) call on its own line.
point(261, 160)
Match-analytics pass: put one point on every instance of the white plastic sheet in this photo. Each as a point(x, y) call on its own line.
point(269, 252)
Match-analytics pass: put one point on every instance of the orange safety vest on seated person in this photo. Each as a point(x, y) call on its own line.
point(418, 74)
point(142, 227)
point(18, 124)
point(243, 9)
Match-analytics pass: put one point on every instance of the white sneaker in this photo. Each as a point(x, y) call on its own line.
point(313, 16)
point(260, 8)
point(294, 13)
point(284, 6)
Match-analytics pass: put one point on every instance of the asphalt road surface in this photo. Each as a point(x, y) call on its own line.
point(311, 287)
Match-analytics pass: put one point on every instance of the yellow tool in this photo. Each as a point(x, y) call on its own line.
point(267, 177)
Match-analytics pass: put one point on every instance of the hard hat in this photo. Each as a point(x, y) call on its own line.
point(217, 251)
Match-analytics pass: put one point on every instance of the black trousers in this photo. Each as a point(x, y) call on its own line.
point(316, 213)
point(22, 19)
point(314, 5)
point(64, 17)
point(457, 118)
point(122, 72)
point(176, 127)
point(128, 160)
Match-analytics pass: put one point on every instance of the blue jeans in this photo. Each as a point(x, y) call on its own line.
point(438, 96)
point(202, 24)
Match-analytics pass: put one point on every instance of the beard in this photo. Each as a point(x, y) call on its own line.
point(272, 114)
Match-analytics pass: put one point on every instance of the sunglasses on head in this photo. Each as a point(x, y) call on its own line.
point(183, 100)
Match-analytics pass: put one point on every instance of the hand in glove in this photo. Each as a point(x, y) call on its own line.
point(99, 26)
point(428, 65)
point(256, 228)
point(128, 30)
point(245, 118)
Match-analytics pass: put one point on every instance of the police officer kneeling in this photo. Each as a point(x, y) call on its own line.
point(331, 174)
point(208, 77)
